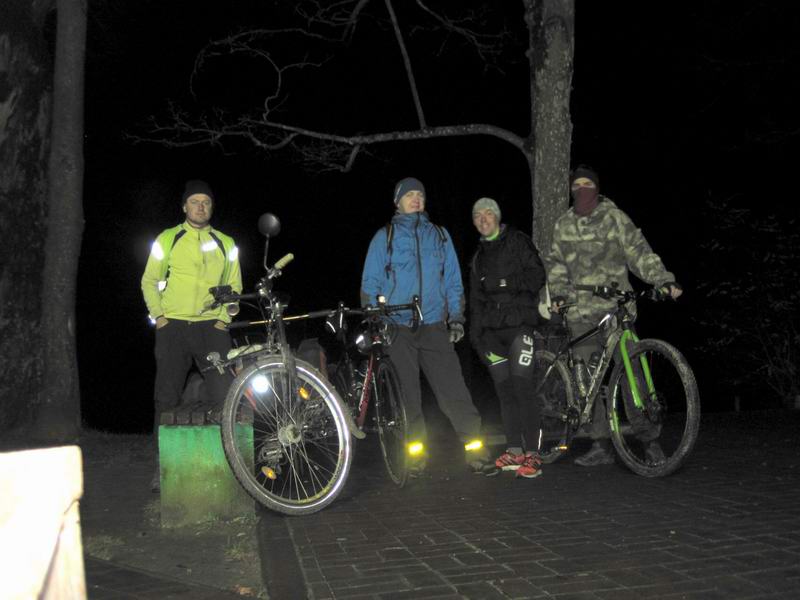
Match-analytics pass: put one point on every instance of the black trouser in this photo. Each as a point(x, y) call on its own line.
point(644, 430)
point(508, 353)
point(179, 343)
point(429, 348)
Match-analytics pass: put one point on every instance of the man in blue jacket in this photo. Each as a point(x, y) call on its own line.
point(413, 257)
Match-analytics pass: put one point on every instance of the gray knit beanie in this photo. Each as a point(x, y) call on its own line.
point(483, 204)
point(409, 184)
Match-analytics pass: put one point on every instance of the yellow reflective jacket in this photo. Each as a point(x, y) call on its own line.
point(184, 263)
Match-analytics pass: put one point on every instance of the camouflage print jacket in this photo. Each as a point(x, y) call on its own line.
point(597, 250)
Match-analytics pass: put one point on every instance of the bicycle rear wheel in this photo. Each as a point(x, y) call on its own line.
point(290, 451)
point(670, 415)
point(390, 417)
point(559, 411)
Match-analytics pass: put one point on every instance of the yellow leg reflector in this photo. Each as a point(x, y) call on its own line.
point(415, 448)
point(473, 445)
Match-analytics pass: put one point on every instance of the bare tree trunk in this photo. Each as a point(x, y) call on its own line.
point(59, 415)
point(25, 104)
point(551, 27)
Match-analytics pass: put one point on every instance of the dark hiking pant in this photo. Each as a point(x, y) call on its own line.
point(429, 349)
point(178, 345)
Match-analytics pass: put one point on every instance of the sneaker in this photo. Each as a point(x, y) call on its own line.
point(598, 454)
point(653, 454)
point(483, 467)
point(531, 466)
point(509, 461)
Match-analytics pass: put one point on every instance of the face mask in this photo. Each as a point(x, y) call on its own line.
point(585, 200)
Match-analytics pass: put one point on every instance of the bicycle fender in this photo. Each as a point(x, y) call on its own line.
point(357, 433)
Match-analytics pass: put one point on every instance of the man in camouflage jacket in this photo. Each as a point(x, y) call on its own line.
point(596, 243)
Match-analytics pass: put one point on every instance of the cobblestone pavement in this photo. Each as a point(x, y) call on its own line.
point(725, 526)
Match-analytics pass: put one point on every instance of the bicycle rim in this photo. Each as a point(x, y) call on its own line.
point(671, 413)
point(390, 416)
point(290, 452)
point(554, 393)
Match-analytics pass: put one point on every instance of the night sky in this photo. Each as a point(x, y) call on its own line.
point(680, 104)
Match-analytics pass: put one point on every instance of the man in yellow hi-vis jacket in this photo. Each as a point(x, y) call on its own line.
point(185, 261)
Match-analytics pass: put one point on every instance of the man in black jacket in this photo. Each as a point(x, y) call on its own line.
point(506, 277)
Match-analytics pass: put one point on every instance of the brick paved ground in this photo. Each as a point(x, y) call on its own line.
point(726, 526)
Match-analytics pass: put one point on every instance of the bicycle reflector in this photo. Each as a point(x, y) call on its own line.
point(473, 445)
point(416, 448)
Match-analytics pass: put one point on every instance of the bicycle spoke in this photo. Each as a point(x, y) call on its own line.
point(300, 449)
point(655, 439)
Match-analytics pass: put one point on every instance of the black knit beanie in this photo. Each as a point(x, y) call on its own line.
point(584, 171)
point(196, 186)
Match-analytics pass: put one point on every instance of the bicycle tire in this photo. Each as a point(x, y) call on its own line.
point(391, 421)
point(291, 452)
point(673, 412)
point(559, 410)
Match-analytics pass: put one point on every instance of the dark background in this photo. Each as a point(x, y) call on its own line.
point(675, 104)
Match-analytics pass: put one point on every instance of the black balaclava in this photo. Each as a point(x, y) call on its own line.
point(586, 199)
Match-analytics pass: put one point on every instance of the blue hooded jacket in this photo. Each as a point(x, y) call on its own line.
point(420, 263)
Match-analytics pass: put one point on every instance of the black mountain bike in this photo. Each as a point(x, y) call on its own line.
point(651, 393)
point(373, 380)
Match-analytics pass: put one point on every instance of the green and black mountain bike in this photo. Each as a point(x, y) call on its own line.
point(651, 393)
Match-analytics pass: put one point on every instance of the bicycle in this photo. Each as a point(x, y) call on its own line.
point(652, 392)
point(375, 377)
point(285, 431)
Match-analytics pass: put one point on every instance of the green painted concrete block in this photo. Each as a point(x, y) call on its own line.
point(197, 484)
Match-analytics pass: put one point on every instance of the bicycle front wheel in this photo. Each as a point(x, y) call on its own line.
point(390, 417)
point(654, 440)
point(290, 450)
point(559, 411)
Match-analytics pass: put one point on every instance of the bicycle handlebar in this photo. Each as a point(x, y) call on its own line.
point(613, 291)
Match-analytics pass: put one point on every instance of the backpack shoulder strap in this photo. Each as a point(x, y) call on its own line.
point(389, 228)
point(442, 233)
point(226, 245)
point(167, 239)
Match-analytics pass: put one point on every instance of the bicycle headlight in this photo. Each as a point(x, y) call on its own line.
point(364, 342)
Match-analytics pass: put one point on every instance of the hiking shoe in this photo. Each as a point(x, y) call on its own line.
point(531, 466)
point(598, 454)
point(509, 461)
point(653, 454)
point(483, 467)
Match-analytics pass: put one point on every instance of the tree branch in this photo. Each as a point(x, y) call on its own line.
point(326, 149)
